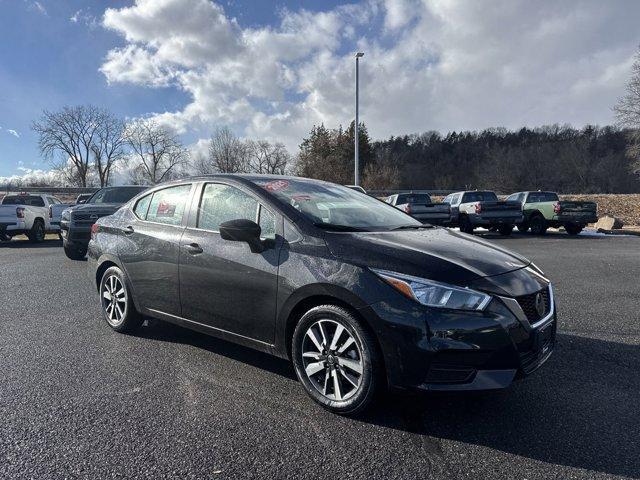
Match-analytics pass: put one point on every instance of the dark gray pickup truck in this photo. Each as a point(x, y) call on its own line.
point(75, 223)
point(421, 207)
point(483, 209)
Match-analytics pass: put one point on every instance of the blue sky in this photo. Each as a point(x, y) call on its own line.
point(273, 69)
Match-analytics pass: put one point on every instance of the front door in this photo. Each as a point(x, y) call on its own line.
point(222, 283)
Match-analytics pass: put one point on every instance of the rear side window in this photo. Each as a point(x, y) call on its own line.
point(221, 203)
point(142, 206)
point(417, 198)
point(168, 205)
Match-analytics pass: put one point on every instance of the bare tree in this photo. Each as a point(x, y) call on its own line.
point(158, 150)
point(70, 132)
point(227, 154)
point(268, 158)
point(108, 146)
point(627, 111)
point(380, 175)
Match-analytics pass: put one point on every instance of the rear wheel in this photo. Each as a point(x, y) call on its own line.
point(505, 229)
point(37, 233)
point(538, 225)
point(336, 359)
point(573, 229)
point(117, 307)
point(465, 225)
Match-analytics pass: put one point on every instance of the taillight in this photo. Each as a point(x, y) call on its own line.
point(20, 212)
point(50, 212)
point(407, 208)
point(478, 208)
point(95, 228)
point(557, 207)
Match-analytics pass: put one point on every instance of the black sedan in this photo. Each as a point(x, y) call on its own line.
point(358, 294)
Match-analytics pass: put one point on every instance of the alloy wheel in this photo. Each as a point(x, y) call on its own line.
point(332, 359)
point(114, 299)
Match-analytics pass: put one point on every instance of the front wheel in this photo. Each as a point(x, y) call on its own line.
point(538, 225)
point(336, 359)
point(465, 225)
point(505, 230)
point(573, 229)
point(117, 307)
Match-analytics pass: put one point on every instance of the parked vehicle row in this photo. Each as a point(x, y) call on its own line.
point(468, 210)
point(356, 293)
point(420, 207)
point(33, 215)
point(76, 222)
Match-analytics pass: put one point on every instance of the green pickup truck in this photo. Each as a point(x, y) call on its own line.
point(542, 210)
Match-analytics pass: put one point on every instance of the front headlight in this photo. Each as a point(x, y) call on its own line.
point(435, 294)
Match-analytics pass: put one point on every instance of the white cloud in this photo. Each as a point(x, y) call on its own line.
point(84, 17)
point(37, 7)
point(14, 133)
point(430, 64)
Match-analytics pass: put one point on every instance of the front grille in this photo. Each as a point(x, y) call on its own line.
point(86, 217)
point(533, 308)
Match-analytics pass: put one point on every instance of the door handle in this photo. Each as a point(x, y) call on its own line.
point(193, 248)
point(128, 230)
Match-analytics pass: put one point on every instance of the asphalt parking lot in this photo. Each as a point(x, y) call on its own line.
point(80, 401)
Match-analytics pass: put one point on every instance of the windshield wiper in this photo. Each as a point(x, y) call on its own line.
point(412, 226)
point(339, 228)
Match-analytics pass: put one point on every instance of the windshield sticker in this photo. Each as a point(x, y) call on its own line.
point(277, 186)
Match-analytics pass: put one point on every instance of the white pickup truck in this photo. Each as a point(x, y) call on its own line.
point(34, 215)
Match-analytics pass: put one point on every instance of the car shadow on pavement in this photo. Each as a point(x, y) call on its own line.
point(579, 410)
point(28, 244)
point(168, 332)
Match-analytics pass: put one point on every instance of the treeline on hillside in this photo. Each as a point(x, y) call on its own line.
point(559, 158)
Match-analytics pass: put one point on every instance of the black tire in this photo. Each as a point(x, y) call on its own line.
point(505, 230)
point(37, 232)
point(465, 225)
point(573, 229)
point(523, 227)
point(354, 391)
point(116, 302)
point(538, 225)
point(73, 252)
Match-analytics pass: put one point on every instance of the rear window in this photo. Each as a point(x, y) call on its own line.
point(479, 197)
point(32, 201)
point(422, 198)
point(168, 205)
point(542, 197)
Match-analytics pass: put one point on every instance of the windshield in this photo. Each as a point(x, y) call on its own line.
point(333, 206)
point(115, 195)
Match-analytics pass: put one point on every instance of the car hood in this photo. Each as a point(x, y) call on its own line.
point(438, 254)
point(96, 208)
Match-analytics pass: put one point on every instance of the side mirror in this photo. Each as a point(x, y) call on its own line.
point(242, 230)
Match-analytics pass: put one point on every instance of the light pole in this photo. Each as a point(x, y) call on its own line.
point(355, 133)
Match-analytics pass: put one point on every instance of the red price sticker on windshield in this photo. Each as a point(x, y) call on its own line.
point(277, 186)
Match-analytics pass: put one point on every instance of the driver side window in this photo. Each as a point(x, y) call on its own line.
point(221, 203)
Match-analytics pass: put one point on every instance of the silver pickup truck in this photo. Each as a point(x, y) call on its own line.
point(33, 215)
point(420, 207)
point(473, 209)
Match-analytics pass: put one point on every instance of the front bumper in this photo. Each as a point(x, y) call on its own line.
point(76, 235)
point(431, 350)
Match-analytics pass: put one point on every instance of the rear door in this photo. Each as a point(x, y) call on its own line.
point(222, 283)
point(149, 247)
